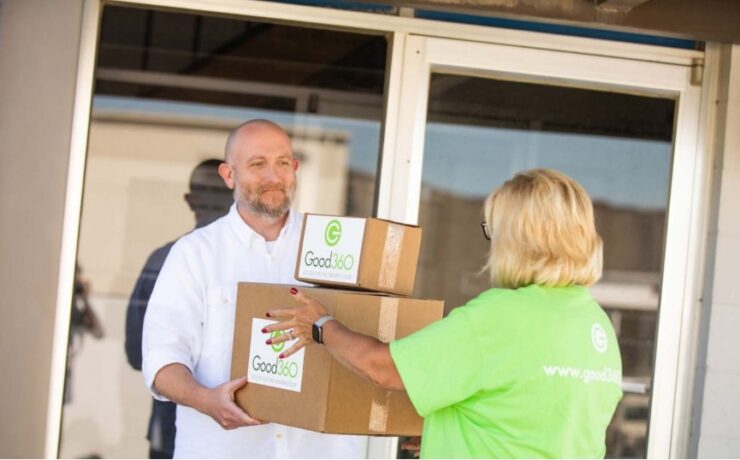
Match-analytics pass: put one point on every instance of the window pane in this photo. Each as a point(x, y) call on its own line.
point(480, 132)
point(169, 86)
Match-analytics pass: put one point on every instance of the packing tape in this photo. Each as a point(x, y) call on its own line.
point(386, 332)
point(391, 256)
point(387, 320)
point(379, 413)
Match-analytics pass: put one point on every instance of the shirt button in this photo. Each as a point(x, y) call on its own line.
point(279, 436)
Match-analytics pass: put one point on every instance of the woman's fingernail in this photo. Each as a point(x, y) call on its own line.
point(267, 314)
point(264, 330)
point(293, 291)
point(281, 355)
point(268, 342)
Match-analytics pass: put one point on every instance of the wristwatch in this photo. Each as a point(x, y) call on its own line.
point(317, 331)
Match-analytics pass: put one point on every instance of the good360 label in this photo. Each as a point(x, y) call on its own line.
point(265, 367)
point(331, 248)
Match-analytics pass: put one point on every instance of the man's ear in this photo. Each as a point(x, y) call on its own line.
point(295, 165)
point(227, 174)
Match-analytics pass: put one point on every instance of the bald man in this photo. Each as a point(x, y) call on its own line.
point(188, 329)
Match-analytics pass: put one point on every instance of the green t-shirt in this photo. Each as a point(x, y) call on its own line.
point(515, 373)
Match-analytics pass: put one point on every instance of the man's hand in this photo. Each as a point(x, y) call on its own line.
point(218, 403)
point(177, 383)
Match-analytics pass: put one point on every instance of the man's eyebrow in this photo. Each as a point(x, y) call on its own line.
point(260, 157)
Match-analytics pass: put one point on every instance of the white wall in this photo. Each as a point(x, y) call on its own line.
point(716, 428)
point(39, 43)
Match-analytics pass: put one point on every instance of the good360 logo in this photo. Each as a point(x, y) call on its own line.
point(598, 338)
point(333, 233)
point(280, 367)
point(264, 365)
point(277, 347)
point(334, 261)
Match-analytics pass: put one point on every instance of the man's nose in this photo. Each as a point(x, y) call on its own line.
point(270, 173)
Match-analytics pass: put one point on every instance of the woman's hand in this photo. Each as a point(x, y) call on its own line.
point(297, 321)
point(362, 354)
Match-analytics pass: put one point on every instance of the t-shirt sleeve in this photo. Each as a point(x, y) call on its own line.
point(439, 364)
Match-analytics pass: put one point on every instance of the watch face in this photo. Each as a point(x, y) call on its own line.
point(316, 333)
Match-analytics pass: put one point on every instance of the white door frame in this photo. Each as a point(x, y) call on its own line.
point(400, 173)
point(424, 55)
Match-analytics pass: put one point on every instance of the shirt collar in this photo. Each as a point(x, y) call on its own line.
point(247, 234)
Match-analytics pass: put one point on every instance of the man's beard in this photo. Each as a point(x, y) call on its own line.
point(254, 205)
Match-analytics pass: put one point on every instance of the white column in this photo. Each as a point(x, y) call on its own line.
point(716, 427)
point(39, 43)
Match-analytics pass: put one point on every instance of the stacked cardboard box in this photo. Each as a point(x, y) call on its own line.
point(310, 389)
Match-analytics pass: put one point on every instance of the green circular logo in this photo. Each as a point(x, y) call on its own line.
point(277, 347)
point(333, 233)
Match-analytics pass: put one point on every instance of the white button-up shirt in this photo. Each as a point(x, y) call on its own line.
point(190, 320)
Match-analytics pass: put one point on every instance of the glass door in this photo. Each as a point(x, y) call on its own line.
point(471, 115)
point(169, 86)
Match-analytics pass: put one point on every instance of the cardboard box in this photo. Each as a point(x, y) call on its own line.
point(359, 253)
point(310, 389)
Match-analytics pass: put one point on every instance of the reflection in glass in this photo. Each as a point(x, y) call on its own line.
point(480, 132)
point(168, 88)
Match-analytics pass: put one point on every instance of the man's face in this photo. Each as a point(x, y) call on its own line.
point(263, 171)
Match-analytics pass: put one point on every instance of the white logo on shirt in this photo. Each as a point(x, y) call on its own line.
point(598, 337)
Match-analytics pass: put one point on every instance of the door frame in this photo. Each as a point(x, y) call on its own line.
point(679, 296)
point(393, 171)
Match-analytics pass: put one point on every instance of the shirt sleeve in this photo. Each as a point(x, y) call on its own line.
point(439, 364)
point(173, 324)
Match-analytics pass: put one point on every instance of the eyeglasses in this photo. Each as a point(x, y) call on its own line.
point(484, 227)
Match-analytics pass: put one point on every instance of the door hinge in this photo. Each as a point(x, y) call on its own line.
point(697, 72)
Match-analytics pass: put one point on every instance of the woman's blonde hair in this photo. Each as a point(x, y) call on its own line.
point(542, 232)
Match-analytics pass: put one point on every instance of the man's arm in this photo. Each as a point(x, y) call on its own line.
point(172, 338)
point(177, 384)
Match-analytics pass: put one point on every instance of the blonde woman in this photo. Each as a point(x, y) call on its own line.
point(529, 368)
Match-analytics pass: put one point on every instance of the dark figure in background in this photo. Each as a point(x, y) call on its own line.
point(83, 320)
point(209, 199)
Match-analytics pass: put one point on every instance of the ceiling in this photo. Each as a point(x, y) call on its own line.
point(703, 20)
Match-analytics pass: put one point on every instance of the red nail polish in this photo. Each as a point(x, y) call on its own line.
point(264, 330)
point(267, 314)
point(268, 341)
point(293, 291)
point(281, 355)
